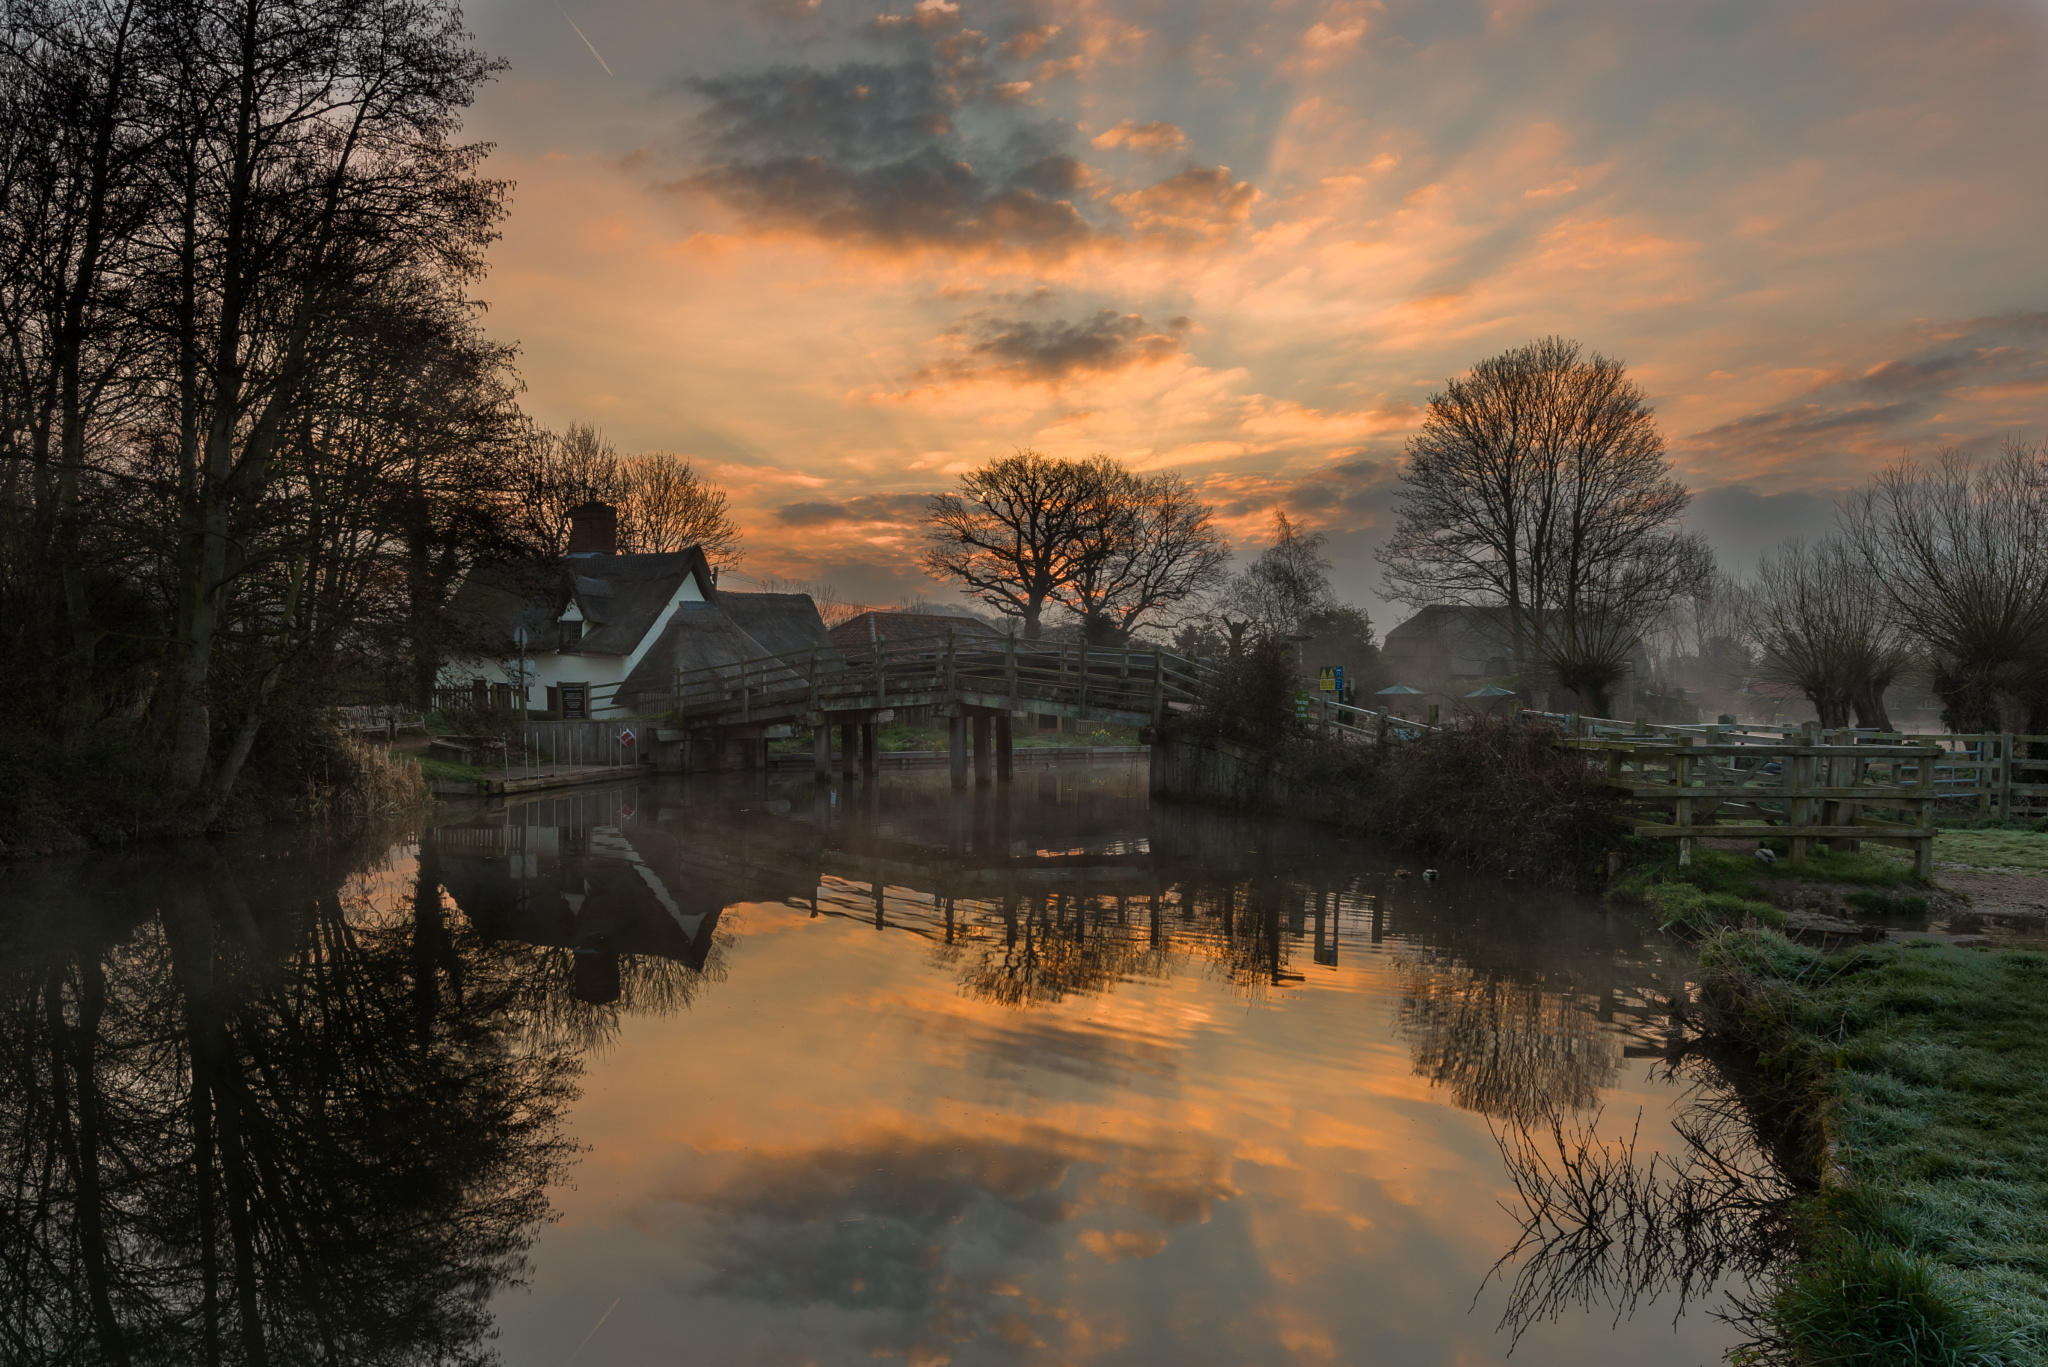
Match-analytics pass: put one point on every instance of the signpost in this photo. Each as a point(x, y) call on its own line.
point(1330, 679)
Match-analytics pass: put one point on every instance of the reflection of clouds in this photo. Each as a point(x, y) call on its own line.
point(933, 1228)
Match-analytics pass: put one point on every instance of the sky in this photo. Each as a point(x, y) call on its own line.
point(837, 253)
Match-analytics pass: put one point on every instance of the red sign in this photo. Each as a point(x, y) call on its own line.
point(625, 737)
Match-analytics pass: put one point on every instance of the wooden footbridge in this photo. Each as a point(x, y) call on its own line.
point(979, 684)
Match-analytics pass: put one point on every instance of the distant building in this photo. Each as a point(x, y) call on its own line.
point(606, 633)
point(1447, 641)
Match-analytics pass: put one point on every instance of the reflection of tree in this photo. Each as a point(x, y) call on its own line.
point(1503, 1047)
point(265, 1125)
point(1604, 1225)
point(646, 985)
point(1051, 947)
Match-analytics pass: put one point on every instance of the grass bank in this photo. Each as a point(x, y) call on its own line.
point(1915, 1077)
point(1722, 889)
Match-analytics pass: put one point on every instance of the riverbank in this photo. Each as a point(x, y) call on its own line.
point(109, 791)
point(1496, 798)
point(1913, 1079)
point(1897, 1064)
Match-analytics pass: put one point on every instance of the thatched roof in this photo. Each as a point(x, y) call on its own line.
point(721, 634)
point(858, 633)
point(620, 597)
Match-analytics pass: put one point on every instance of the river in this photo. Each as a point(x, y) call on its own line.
point(762, 1071)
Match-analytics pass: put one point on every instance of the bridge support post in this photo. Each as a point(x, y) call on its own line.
point(846, 748)
point(821, 752)
point(1004, 755)
point(982, 768)
point(870, 742)
point(956, 746)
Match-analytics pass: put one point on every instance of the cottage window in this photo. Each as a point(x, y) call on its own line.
point(572, 632)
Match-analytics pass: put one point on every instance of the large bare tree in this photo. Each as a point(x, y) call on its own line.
point(1960, 550)
point(1820, 624)
point(1154, 547)
point(1017, 532)
point(1538, 484)
point(669, 506)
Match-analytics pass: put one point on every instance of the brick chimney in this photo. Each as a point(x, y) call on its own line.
point(593, 529)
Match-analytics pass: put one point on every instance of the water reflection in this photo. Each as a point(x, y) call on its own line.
point(1033, 1073)
point(253, 1115)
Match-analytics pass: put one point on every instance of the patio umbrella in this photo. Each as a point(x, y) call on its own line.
point(1398, 690)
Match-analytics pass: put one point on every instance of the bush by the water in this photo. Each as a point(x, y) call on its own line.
point(108, 788)
point(1486, 793)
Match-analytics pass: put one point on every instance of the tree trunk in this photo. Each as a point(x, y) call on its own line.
point(1868, 702)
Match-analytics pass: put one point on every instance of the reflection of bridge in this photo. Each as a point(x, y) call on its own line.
point(977, 684)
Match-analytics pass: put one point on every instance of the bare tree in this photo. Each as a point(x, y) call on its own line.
point(1538, 483)
point(1960, 550)
point(1154, 547)
point(1285, 585)
point(561, 472)
point(668, 507)
point(1819, 624)
point(1017, 532)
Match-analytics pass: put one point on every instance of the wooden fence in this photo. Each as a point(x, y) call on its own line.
point(1678, 788)
point(1991, 775)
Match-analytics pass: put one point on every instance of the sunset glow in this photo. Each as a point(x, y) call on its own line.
point(838, 252)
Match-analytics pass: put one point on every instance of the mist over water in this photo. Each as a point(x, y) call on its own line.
point(767, 1071)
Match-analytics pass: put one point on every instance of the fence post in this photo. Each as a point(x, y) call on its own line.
point(1158, 687)
point(2005, 776)
point(1082, 652)
point(1681, 807)
point(1797, 808)
point(1923, 842)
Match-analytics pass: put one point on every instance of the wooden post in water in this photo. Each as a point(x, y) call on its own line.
point(847, 744)
point(956, 747)
point(821, 751)
point(1004, 742)
point(870, 742)
point(983, 769)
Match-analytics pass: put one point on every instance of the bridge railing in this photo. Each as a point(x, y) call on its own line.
point(890, 673)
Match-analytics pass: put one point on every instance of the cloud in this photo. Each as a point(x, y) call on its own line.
point(1027, 43)
point(1143, 137)
point(1964, 384)
point(892, 509)
point(1049, 352)
point(875, 152)
point(1200, 206)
